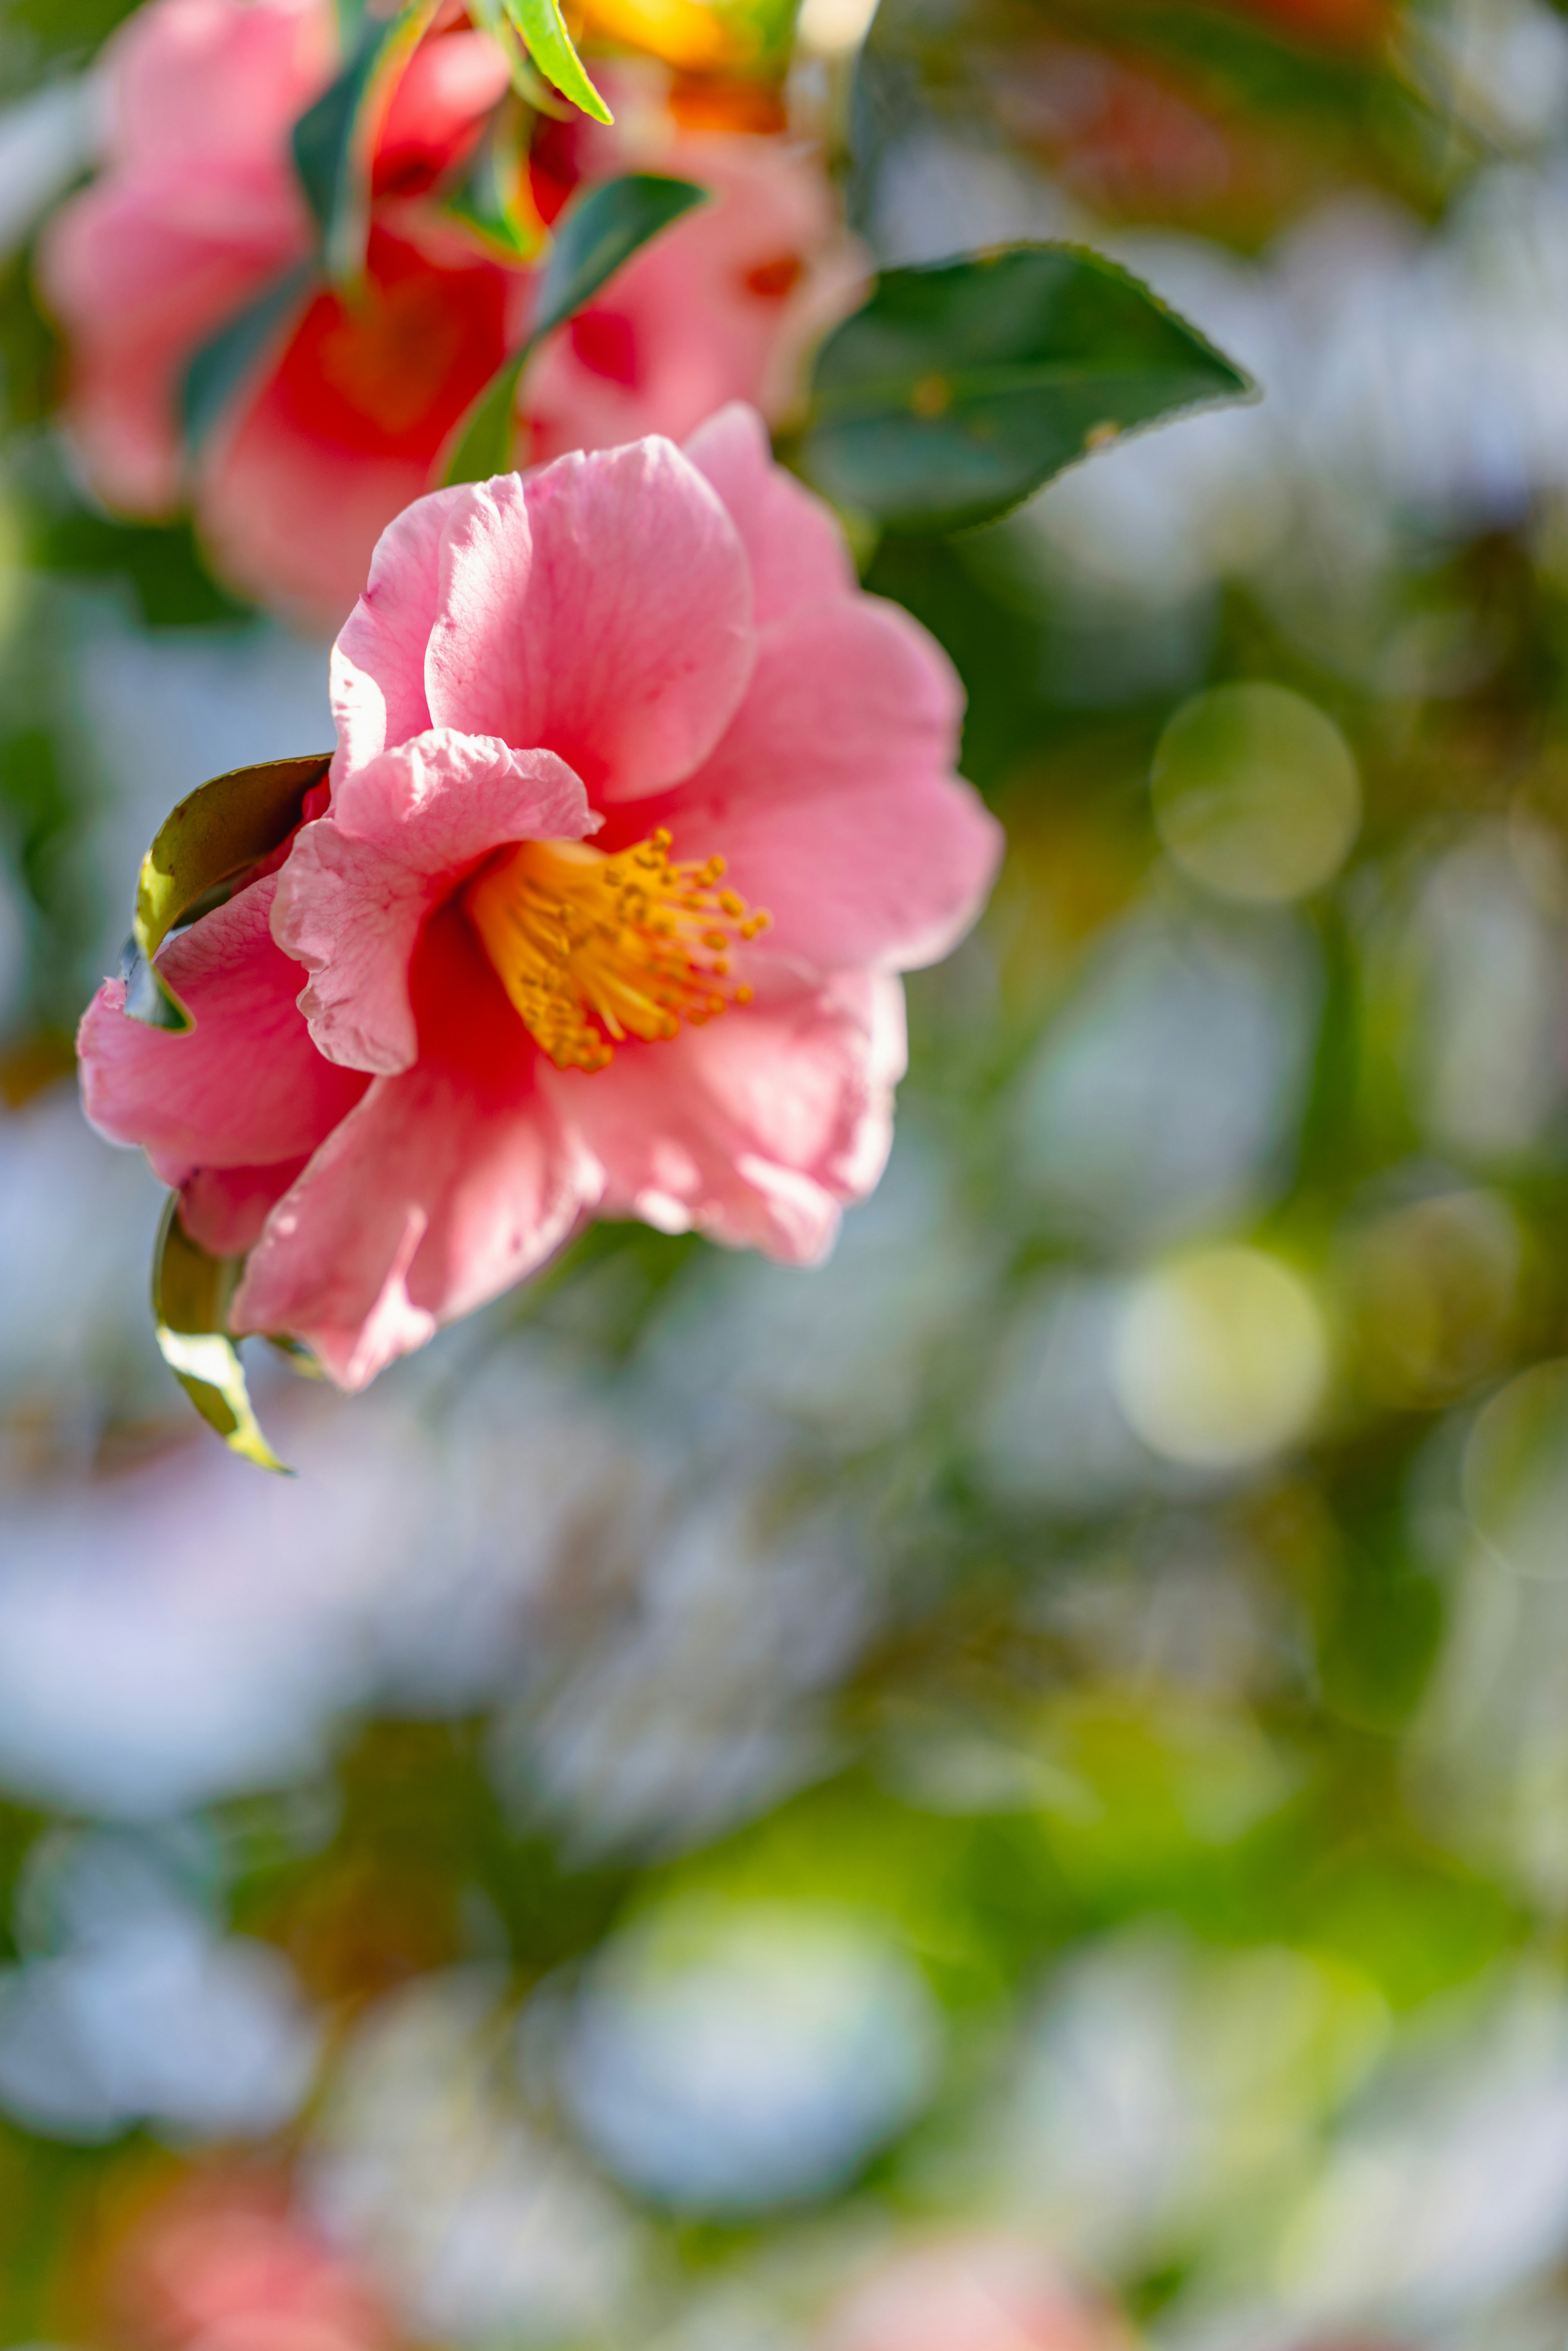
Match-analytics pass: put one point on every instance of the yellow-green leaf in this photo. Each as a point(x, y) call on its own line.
point(203, 847)
point(551, 46)
point(191, 1294)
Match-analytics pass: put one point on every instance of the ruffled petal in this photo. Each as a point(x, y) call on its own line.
point(831, 797)
point(225, 1208)
point(402, 833)
point(245, 1086)
point(445, 1187)
point(794, 546)
point(755, 1129)
point(378, 662)
point(614, 628)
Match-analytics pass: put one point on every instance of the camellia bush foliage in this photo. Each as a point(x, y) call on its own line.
point(947, 397)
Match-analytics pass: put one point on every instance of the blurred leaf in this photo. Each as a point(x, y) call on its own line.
point(214, 834)
point(222, 366)
point(599, 231)
point(158, 563)
point(960, 388)
point(334, 141)
point(190, 1292)
point(543, 28)
point(496, 200)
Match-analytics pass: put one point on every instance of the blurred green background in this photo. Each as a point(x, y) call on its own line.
point(1049, 1735)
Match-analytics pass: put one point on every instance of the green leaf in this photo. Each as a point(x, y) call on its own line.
point(543, 28)
point(191, 1294)
point(959, 388)
point(204, 847)
point(222, 366)
point(334, 140)
point(495, 202)
point(602, 229)
point(598, 231)
point(490, 16)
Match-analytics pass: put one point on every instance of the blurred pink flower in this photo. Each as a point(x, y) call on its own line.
point(225, 2265)
point(972, 2294)
point(197, 213)
point(509, 1028)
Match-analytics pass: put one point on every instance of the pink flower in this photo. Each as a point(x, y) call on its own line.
point(592, 721)
point(725, 308)
point(197, 214)
point(972, 2294)
point(225, 2264)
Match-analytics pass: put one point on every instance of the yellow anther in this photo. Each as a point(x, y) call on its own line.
point(593, 949)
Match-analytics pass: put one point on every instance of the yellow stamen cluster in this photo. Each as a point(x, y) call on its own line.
point(592, 949)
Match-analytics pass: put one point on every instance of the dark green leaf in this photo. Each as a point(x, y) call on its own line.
point(191, 1294)
point(333, 140)
point(215, 835)
point(959, 388)
point(222, 367)
point(599, 230)
point(543, 28)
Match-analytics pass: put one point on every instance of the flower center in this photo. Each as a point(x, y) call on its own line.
point(593, 949)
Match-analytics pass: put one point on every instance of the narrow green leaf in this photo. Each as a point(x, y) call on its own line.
point(957, 389)
point(191, 1294)
point(543, 28)
point(599, 231)
point(203, 846)
point(333, 140)
point(490, 16)
point(222, 366)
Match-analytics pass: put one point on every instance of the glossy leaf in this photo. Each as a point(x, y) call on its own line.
point(191, 1294)
point(334, 140)
point(959, 389)
point(597, 233)
point(543, 29)
point(222, 366)
point(203, 846)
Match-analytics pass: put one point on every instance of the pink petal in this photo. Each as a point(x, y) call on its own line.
point(451, 82)
point(832, 798)
point(205, 83)
point(402, 833)
point(295, 523)
point(138, 295)
point(378, 662)
point(601, 608)
point(197, 210)
point(245, 1086)
point(445, 1187)
point(755, 1129)
point(795, 548)
point(225, 1208)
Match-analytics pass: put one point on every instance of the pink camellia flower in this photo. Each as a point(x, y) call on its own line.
point(639, 806)
point(226, 2264)
point(198, 213)
point(972, 2294)
point(755, 279)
